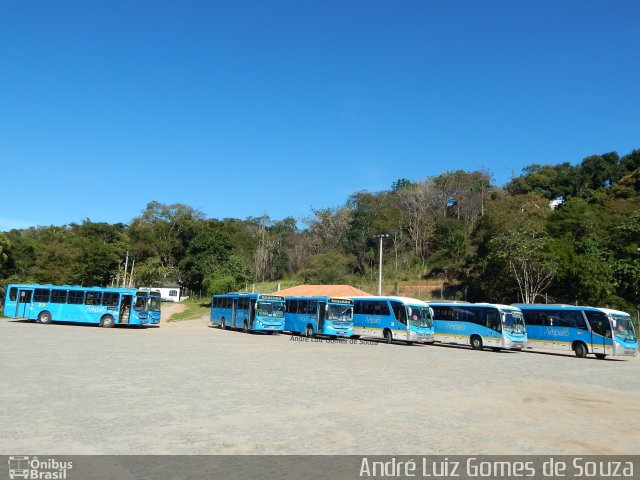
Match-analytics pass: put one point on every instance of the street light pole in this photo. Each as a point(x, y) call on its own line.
point(380, 263)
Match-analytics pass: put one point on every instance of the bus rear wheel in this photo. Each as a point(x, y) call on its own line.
point(44, 317)
point(388, 336)
point(580, 350)
point(601, 356)
point(309, 331)
point(108, 321)
point(222, 324)
point(476, 342)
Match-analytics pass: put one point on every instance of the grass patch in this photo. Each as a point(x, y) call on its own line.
point(196, 307)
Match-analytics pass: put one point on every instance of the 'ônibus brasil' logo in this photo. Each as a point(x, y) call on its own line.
point(32, 468)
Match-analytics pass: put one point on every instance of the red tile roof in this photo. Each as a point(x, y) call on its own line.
point(319, 290)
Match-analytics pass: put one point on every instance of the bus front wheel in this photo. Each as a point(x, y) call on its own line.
point(580, 350)
point(44, 317)
point(388, 336)
point(309, 331)
point(245, 327)
point(222, 324)
point(476, 342)
point(108, 321)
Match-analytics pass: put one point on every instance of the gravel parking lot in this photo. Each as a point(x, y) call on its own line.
point(186, 388)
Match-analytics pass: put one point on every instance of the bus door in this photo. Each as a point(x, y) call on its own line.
point(252, 313)
point(600, 332)
point(125, 308)
point(23, 303)
point(321, 315)
point(234, 313)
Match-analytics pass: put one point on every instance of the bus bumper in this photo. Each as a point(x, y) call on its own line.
point(267, 327)
point(421, 337)
point(514, 345)
point(338, 332)
point(625, 351)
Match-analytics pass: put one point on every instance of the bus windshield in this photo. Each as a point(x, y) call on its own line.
point(153, 304)
point(422, 317)
point(141, 303)
point(623, 327)
point(513, 322)
point(341, 313)
point(269, 309)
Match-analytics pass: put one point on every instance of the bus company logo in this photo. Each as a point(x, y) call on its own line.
point(456, 327)
point(34, 469)
point(556, 332)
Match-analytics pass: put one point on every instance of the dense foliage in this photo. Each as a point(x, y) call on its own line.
point(499, 244)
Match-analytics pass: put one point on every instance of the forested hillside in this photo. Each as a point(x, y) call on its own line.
point(486, 242)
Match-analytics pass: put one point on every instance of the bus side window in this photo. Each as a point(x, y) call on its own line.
point(381, 308)
point(93, 298)
point(313, 307)
point(357, 308)
point(13, 294)
point(111, 299)
point(400, 312)
point(293, 306)
point(41, 295)
point(531, 318)
point(599, 323)
point(303, 306)
point(367, 308)
point(493, 320)
point(58, 296)
point(75, 297)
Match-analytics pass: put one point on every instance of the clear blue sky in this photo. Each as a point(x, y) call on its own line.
point(243, 108)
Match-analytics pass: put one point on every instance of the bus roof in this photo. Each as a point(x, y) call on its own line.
point(72, 287)
point(405, 300)
point(611, 311)
point(553, 306)
point(468, 304)
point(448, 302)
point(267, 296)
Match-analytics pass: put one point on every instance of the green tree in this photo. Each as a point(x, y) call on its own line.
point(209, 248)
point(332, 267)
point(5, 245)
point(231, 276)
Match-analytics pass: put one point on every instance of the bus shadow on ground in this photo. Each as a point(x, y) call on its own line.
point(468, 348)
point(250, 332)
point(82, 324)
point(571, 355)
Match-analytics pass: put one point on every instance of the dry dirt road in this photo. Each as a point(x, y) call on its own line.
point(186, 388)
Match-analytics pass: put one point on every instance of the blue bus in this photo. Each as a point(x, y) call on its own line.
point(154, 300)
point(71, 303)
point(583, 330)
point(479, 325)
point(392, 318)
point(319, 315)
point(249, 312)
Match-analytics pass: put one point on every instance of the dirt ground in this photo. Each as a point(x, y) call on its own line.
point(186, 388)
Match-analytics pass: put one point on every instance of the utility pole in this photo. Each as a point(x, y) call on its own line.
point(126, 266)
point(380, 263)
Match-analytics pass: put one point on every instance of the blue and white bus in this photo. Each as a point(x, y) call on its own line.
point(249, 312)
point(479, 325)
point(66, 303)
point(583, 330)
point(319, 316)
point(392, 318)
